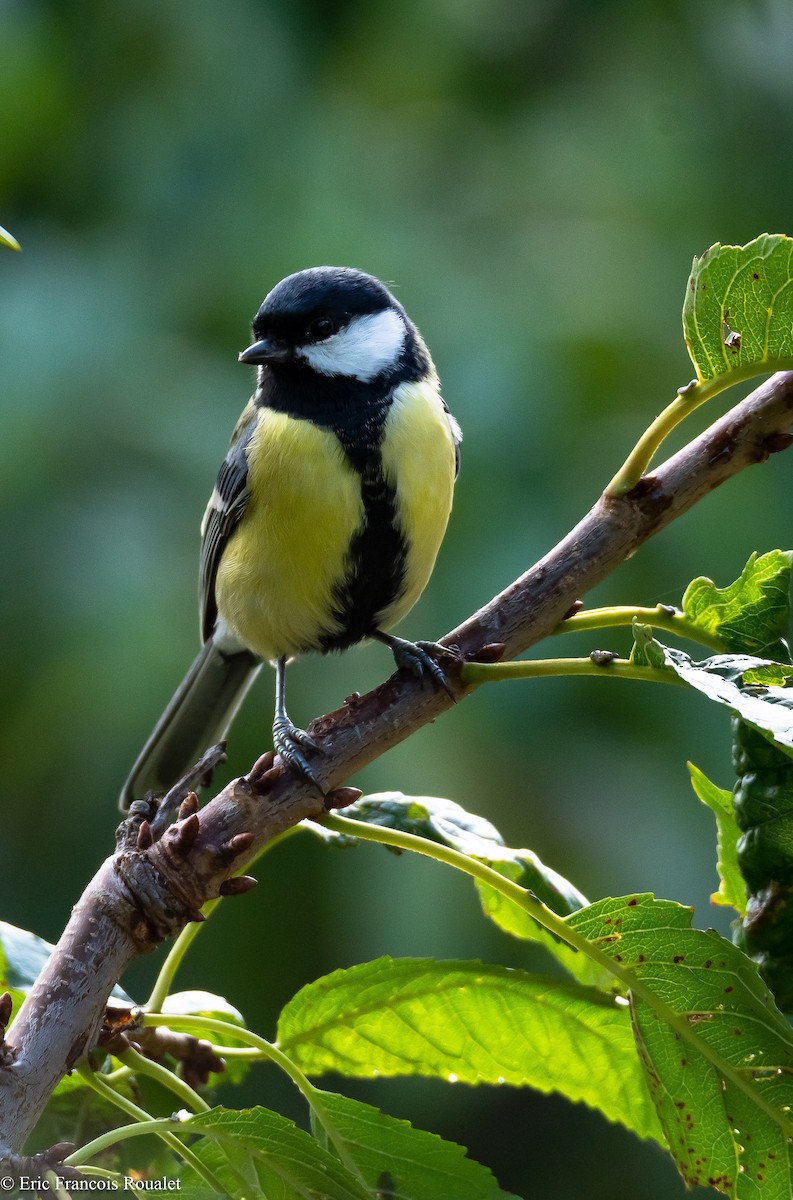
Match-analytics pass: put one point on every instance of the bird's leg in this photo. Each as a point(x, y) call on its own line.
point(287, 738)
point(416, 657)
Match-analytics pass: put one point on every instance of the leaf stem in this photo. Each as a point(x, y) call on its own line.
point(541, 668)
point(165, 978)
point(663, 616)
point(687, 399)
point(158, 1125)
point(400, 840)
point(142, 1065)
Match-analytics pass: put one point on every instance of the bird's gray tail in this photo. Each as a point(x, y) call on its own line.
point(198, 716)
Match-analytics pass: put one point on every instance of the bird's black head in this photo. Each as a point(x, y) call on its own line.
point(335, 321)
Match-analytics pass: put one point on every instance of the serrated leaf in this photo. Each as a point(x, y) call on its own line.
point(738, 310)
point(470, 1022)
point(751, 615)
point(399, 1162)
point(718, 1053)
point(260, 1155)
point(728, 679)
point(449, 824)
point(732, 889)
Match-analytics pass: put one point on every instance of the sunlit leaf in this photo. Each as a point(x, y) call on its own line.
point(751, 615)
point(718, 1053)
point(738, 311)
point(431, 817)
point(731, 680)
point(469, 1022)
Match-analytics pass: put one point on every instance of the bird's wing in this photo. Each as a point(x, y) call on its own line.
point(223, 513)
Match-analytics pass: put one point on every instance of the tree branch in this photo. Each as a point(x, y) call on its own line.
point(147, 890)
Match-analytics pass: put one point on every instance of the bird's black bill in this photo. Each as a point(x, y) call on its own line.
point(266, 350)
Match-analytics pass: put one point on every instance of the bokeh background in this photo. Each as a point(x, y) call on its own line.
point(534, 177)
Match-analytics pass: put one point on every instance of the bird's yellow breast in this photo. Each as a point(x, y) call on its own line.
point(282, 567)
point(419, 461)
point(283, 571)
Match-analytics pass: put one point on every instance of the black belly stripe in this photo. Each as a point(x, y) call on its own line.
point(356, 411)
point(376, 559)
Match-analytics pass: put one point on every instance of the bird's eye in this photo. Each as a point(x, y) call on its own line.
point(320, 329)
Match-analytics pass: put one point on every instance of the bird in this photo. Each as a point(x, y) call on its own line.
point(326, 517)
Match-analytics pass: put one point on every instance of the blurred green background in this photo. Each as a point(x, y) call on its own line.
point(534, 176)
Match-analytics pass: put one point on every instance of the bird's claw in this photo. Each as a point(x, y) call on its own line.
point(287, 742)
point(417, 657)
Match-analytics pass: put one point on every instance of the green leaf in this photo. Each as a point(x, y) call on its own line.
point(202, 1004)
point(718, 1053)
point(8, 239)
point(7, 974)
point(259, 1155)
point(763, 806)
point(525, 868)
point(469, 1022)
point(22, 957)
point(447, 823)
point(751, 615)
point(732, 889)
point(399, 1161)
point(738, 310)
point(430, 817)
point(729, 679)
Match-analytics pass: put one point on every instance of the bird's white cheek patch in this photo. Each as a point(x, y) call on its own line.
point(367, 346)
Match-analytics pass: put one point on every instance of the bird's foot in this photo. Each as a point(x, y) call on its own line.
point(289, 742)
point(420, 658)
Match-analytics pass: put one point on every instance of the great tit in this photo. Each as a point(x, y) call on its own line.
point(327, 514)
